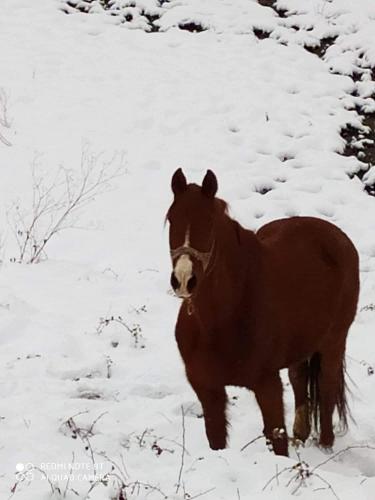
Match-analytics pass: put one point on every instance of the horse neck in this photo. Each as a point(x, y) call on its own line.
point(236, 264)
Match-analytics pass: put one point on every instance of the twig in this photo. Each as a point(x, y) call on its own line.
point(353, 447)
point(4, 121)
point(83, 433)
point(123, 472)
point(140, 438)
point(123, 464)
point(148, 486)
point(109, 363)
point(251, 442)
point(69, 476)
point(183, 450)
point(167, 440)
point(277, 475)
point(201, 494)
point(329, 486)
point(104, 481)
point(96, 421)
point(44, 474)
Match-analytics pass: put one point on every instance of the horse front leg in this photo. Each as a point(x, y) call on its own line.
point(269, 395)
point(214, 402)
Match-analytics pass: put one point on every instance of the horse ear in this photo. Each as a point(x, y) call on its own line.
point(178, 182)
point(209, 184)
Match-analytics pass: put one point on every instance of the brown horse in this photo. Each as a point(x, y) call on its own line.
point(284, 297)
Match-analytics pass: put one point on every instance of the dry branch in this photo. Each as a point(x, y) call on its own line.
point(183, 450)
point(302, 471)
point(4, 119)
point(56, 204)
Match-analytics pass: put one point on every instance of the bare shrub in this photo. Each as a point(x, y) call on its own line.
point(301, 474)
point(4, 118)
point(135, 330)
point(56, 204)
point(109, 474)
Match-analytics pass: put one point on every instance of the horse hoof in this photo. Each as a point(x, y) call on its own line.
point(296, 442)
point(281, 448)
point(301, 426)
point(327, 450)
point(279, 442)
point(217, 446)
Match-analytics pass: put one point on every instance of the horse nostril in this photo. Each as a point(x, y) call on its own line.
point(192, 283)
point(174, 282)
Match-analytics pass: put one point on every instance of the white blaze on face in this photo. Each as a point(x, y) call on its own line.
point(184, 268)
point(187, 237)
point(183, 272)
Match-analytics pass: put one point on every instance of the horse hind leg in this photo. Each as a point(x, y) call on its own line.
point(325, 392)
point(299, 376)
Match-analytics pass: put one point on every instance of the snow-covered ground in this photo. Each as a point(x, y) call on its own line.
point(89, 370)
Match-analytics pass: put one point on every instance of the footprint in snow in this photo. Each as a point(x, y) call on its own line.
point(286, 156)
point(326, 210)
point(310, 187)
point(93, 393)
point(151, 392)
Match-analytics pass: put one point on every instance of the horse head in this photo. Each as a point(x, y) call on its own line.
point(192, 216)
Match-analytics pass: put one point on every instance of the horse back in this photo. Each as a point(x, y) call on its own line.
point(309, 239)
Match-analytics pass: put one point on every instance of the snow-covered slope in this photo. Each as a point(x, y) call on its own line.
point(89, 369)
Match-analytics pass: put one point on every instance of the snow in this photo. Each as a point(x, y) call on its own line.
point(266, 116)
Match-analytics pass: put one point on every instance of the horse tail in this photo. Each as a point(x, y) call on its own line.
point(341, 401)
point(314, 391)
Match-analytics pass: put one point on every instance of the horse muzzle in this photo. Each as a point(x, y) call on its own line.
point(183, 286)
